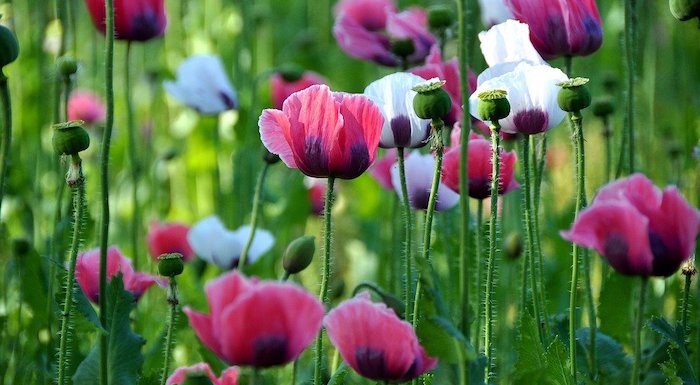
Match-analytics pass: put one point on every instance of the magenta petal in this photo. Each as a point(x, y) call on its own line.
point(180, 374)
point(229, 376)
point(274, 133)
point(202, 325)
point(223, 291)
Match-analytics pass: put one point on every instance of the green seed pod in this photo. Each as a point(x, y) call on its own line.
point(574, 95)
point(70, 138)
point(513, 245)
point(493, 105)
point(9, 48)
point(290, 72)
point(432, 101)
point(402, 47)
point(170, 265)
point(269, 157)
point(197, 378)
point(67, 65)
point(299, 254)
point(603, 106)
point(440, 17)
point(684, 9)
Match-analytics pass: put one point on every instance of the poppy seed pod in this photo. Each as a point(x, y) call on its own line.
point(290, 72)
point(299, 254)
point(603, 106)
point(402, 47)
point(684, 9)
point(170, 265)
point(9, 48)
point(432, 101)
point(493, 105)
point(67, 65)
point(440, 17)
point(574, 95)
point(70, 138)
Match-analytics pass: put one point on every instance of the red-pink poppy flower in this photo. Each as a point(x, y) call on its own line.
point(166, 238)
point(323, 133)
point(375, 342)
point(228, 377)
point(134, 20)
point(381, 170)
point(86, 106)
point(479, 169)
point(256, 323)
point(87, 273)
point(364, 29)
point(282, 88)
point(638, 228)
point(420, 170)
point(561, 27)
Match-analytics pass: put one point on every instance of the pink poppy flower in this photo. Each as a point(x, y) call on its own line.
point(480, 169)
point(375, 342)
point(561, 27)
point(420, 170)
point(638, 228)
point(166, 238)
point(364, 29)
point(323, 133)
point(86, 106)
point(282, 88)
point(134, 20)
point(381, 170)
point(256, 323)
point(87, 273)
point(228, 377)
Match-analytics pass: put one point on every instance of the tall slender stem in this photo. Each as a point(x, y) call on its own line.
point(686, 300)
point(254, 217)
point(638, 332)
point(479, 251)
point(133, 160)
point(104, 180)
point(216, 173)
point(325, 273)
point(173, 301)
point(608, 147)
point(489, 301)
point(6, 134)
point(408, 270)
point(534, 206)
point(630, 60)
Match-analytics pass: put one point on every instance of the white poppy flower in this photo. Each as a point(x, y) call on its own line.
point(420, 170)
point(203, 85)
point(393, 95)
point(508, 42)
point(494, 12)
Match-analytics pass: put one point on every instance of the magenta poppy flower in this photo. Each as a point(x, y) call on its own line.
point(323, 133)
point(86, 106)
point(561, 27)
point(256, 323)
point(87, 273)
point(420, 170)
point(638, 228)
point(134, 20)
point(282, 88)
point(375, 342)
point(381, 170)
point(479, 169)
point(166, 238)
point(228, 377)
point(364, 29)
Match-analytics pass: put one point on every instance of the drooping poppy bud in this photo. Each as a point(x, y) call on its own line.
point(299, 254)
point(9, 48)
point(684, 9)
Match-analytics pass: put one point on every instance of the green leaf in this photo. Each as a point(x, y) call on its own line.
point(616, 320)
point(123, 345)
point(441, 340)
point(669, 370)
point(338, 376)
point(536, 365)
point(612, 362)
point(677, 352)
point(673, 335)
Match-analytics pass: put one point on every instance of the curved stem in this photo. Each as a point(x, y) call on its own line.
point(254, 217)
point(489, 301)
point(408, 270)
point(64, 359)
point(630, 57)
point(133, 160)
point(325, 273)
point(638, 332)
point(173, 301)
point(479, 261)
point(6, 134)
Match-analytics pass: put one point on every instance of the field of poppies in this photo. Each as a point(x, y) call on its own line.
point(340, 192)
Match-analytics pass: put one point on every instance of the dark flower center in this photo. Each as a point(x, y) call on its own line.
point(269, 351)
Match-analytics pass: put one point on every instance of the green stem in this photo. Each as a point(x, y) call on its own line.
point(537, 261)
point(630, 57)
point(479, 261)
point(686, 302)
point(638, 332)
point(64, 358)
point(489, 301)
point(133, 160)
point(608, 148)
point(408, 270)
point(325, 274)
point(254, 217)
point(216, 173)
point(173, 301)
point(7, 132)
point(295, 366)
point(104, 180)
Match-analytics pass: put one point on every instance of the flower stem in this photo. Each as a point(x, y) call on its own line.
point(254, 216)
point(686, 302)
point(489, 301)
point(216, 173)
point(607, 133)
point(630, 57)
point(638, 332)
point(479, 261)
point(325, 274)
point(7, 132)
point(408, 270)
point(64, 358)
point(173, 301)
point(133, 160)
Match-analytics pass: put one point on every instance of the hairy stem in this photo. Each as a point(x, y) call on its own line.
point(408, 270)
point(489, 301)
point(638, 332)
point(133, 160)
point(325, 273)
point(173, 301)
point(254, 216)
point(6, 133)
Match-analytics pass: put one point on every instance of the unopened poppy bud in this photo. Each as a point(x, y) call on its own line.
point(684, 9)
point(432, 101)
point(493, 105)
point(574, 95)
point(269, 157)
point(603, 106)
point(440, 17)
point(393, 302)
point(299, 254)
point(290, 72)
point(513, 245)
point(197, 378)
point(70, 138)
point(402, 47)
point(9, 48)
point(67, 65)
point(170, 265)
point(21, 247)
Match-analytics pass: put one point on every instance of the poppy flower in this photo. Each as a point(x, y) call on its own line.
point(228, 377)
point(323, 133)
point(494, 12)
point(420, 170)
point(87, 273)
point(638, 228)
point(86, 106)
point(216, 244)
point(202, 84)
point(134, 20)
point(375, 342)
point(479, 169)
point(166, 238)
point(256, 323)
point(282, 88)
point(508, 42)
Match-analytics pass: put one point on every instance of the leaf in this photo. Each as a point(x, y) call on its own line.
point(442, 339)
point(616, 320)
point(123, 345)
point(677, 352)
point(669, 370)
point(338, 376)
point(476, 370)
point(612, 362)
point(536, 365)
point(673, 335)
